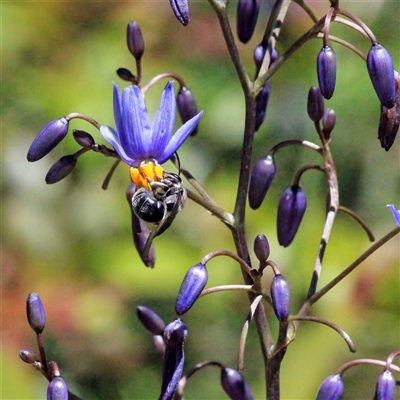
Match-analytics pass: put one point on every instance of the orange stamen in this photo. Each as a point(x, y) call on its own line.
point(148, 171)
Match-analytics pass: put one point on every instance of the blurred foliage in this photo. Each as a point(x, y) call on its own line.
point(71, 242)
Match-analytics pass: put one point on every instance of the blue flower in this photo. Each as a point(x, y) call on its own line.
point(396, 213)
point(135, 139)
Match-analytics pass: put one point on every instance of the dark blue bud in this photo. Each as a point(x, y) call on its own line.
point(326, 70)
point(261, 248)
point(35, 313)
point(332, 388)
point(181, 11)
point(396, 213)
point(234, 385)
point(328, 122)
point(187, 106)
point(261, 178)
point(246, 18)
point(315, 104)
point(381, 72)
point(48, 138)
point(259, 54)
point(126, 75)
point(175, 335)
point(151, 320)
point(385, 386)
point(134, 39)
point(262, 104)
point(62, 168)
point(291, 209)
point(27, 356)
point(83, 138)
point(280, 295)
point(57, 389)
point(192, 285)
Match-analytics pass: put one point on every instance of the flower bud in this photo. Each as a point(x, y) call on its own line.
point(83, 138)
point(134, 40)
point(326, 71)
point(332, 388)
point(315, 104)
point(48, 138)
point(57, 389)
point(246, 18)
point(381, 73)
point(261, 248)
point(62, 168)
point(328, 122)
point(27, 356)
point(187, 106)
point(262, 104)
point(159, 344)
point(35, 313)
point(280, 295)
point(291, 209)
point(385, 387)
point(192, 285)
point(259, 54)
point(261, 178)
point(126, 75)
point(396, 213)
point(234, 385)
point(151, 320)
point(181, 10)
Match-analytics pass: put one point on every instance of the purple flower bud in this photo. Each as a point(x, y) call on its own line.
point(59, 170)
point(331, 388)
point(261, 248)
point(385, 386)
point(328, 122)
point(315, 104)
point(381, 73)
point(262, 104)
point(261, 178)
point(187, 106)
point(259, 54)
point(326, 71)
point(27, 356)
point(396, 213)
point(134, 40)
point(175, 335)
point(292, 206)
point(280, 295)
point(159, 344)
point(181, 10)
point(83, 138)
point(57, 389)
point(126, 75)
point(192, 285)
point(48, 138)
point(234, 385)
point(35, 313)
point(151, 320)
point(246, 18)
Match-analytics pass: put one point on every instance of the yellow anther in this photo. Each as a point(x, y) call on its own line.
point(148, 171)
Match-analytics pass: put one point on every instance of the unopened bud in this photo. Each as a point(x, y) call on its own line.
point(135, 40)
point(181, 11)
point(187, 106)
point(315, 104)
point(381, 72)
point(48, 138)
point(328, 122)
point(234, 385)
point(192, 285)
point(262, 104)
point(126, 75)
point(151, 320)
point(385, 387)
point(27, 356)
point(326, 71)
point(35, 313)
point(246, 18)
point(260, 181)
point(59, 170)
point(83, 138)
point(261, 248)
point(332, 388)
point(280, 295)
point(57, 389)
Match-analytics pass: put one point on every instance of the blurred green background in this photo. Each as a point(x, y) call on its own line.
point(71, 242)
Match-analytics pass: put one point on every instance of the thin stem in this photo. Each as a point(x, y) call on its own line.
point(227, 253)
point(307, 9)
point(295, 142)
point(358, 22)
point(359, 220)
point(361, 361)
point(84, 117)
point(351, 25)
point(224, 288)
point(345, 44)
point(108, 177)
point(42, 352)
point(304, 168)
point(160, 77)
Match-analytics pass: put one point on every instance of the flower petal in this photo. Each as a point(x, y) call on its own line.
point(180, 136)
point(164, 121)
point(395, 212)
point(117, 113)
point(112, 137)
point(136, 138)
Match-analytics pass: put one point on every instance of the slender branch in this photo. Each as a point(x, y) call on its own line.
point(359, 220)
point(224, 288)
point(360, 361)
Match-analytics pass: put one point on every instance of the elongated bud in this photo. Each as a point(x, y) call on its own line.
point(151, 320)
point(35, 313)
point(62, 168)
point(280, 294)
point(381, 72)
point(175, 335)
point(27, 356)
point(187, 106)
point(57, 389)
point(261, 248)
point(126, 75)
point(385, 387)
point(326, 71)
point(262, 104)
point(192, 285)
point(328, 122)
point(83, 138)
point(246, 18)
point(261, 178)
point(259, 54)
point(291, 209)
point(395, 212)
point(181, 11)
point(315, 104)
point(332, 388)
point(48, 138)
point(234, 385)
point(134, 39)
